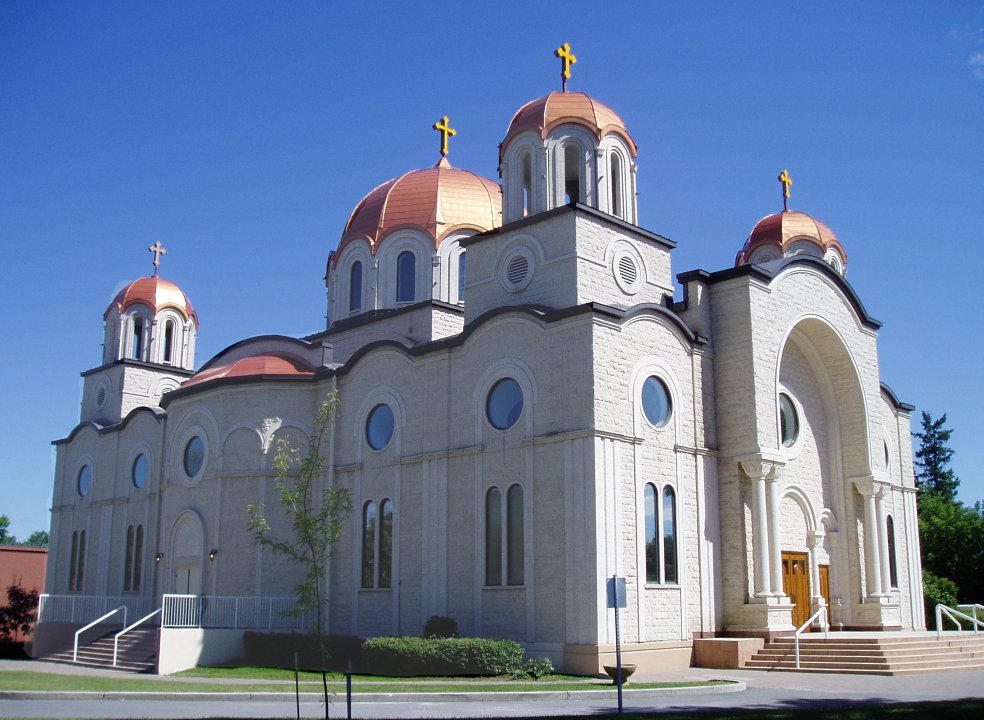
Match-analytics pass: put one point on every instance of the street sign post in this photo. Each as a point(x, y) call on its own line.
point(616, 600)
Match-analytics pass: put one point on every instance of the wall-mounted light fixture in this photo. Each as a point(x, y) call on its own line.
point(212, 553)
point(158, 557)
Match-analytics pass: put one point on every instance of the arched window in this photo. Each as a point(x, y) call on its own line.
point(355, 287)
point(368, 544)
point(526, 163)
point(138, 557)
point(386, 543)
point(669, 536)
point(515, 539)
point(136, 342)
point(573, 182)
point(652, 543)
point(461, 277)
point(616, 185)
point(493, 537)
point(76, 569)
point(168, 341)
point(406, 272)
point(128, 564)
point(134, 554)
point(893, 568)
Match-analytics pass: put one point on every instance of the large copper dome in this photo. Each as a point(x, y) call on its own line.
point(782, 229)
point(438, 200)
point(156, 293)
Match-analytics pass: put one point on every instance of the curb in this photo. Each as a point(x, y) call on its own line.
point(335, 698)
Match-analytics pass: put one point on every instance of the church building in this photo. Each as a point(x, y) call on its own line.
point(524, 411)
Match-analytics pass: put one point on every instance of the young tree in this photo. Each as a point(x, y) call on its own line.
point(38, 538)
point(5, 537)
point(17, 617)
point(933, 472)
point(316, 520)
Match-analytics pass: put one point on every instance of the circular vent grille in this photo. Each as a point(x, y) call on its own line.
point(101, 397)
point(628, 274)
point(517, 270)
point(627, 270)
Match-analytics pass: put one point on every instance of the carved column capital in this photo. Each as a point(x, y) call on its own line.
point(814, 538)
point(763, 466)
point(868, 486)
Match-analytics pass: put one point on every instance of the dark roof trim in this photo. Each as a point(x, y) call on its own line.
point(255, 339)
point(140, 363)
point(157, 413)
point(767, 275)
point(372, 316)
point(899, 405)
point(231, 382)
point(575, 207)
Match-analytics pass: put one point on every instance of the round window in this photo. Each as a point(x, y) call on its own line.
point(141, 467)
point(85, 480)
point(656, 403)
point(101, 397)
point(504, 404)
point(379, 427)
point(194, 456)
point(788, 421)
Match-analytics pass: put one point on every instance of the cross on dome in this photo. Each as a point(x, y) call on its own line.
point(158, 250)
point(785, 180)
point(567, 58)
point(445, 129)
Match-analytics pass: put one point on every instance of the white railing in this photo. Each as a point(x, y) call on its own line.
point(81, 608)
point(75, 650)
point(124, 631)
point(240, 613)
point(820, 613)
point(953, 614)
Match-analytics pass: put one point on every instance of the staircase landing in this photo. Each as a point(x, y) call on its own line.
point(137, 652)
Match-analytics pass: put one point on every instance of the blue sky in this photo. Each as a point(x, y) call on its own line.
point(241, 135)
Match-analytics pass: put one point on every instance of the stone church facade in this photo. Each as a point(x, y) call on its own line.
point(524, 412)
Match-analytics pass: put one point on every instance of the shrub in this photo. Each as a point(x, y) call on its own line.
point(438, 626)
point(534, 669)
point(936, 591)
point(406, 656)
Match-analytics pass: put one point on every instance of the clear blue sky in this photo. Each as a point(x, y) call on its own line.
point(241, 135)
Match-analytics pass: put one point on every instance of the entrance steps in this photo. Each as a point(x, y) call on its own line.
point(137, 652)
point(873, 654)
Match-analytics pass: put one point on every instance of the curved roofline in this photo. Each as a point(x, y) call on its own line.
point(255, 339)
point(157, 413)
point(214, 383)
point(894, 399)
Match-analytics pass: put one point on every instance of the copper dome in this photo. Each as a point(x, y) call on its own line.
point(437, 200)
point(157, 294)
point(557, 108)
point(276, 365)
point(780, 230)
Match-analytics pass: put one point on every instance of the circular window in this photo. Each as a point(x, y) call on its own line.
point(194, 456)
point(656, 404)
point(504, 404)
point(788, 421)
point(379, 427)
point(85, 480)
point(139, 471)
point(101, 397)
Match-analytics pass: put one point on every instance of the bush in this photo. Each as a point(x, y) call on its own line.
point(439, 626)
point(938, 591)
point(534, 669)
point(407, 656)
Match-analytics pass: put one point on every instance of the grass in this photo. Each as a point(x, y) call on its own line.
point(947, 710)
point(38, 681)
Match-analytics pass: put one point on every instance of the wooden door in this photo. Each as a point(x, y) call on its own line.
point(796, 584)
point(825, 584)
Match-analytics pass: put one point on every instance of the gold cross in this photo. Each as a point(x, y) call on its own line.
point(567, 58)
point(158, 250)
point(786, 181)
point(442, 127)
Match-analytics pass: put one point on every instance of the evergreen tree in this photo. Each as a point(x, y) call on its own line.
point(5, 537)
point(933, 472)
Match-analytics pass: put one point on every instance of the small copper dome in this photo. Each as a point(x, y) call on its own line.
point(557, 108)
point(157, 294)
point(782, 230)
point(278, 365)
point(437, 200)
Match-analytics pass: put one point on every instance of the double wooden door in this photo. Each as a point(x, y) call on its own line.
point(796, 584)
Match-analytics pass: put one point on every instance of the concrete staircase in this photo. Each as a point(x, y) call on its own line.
point(137, 651)
point(874, 654)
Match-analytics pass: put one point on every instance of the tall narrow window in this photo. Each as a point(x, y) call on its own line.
point(493, 537)
point(168, 340)
point(406, 271)
point(669, 536)
point(616, 185)
point(526, 162)
point(137, 557)
point(515, 538)
point(73, 562)
point(355, 287)
point(136, 344)
point(128, 564)
point(386, 543)
point(461, 277)
point(80, 565)
point(893, 568)
point(652, 542)
point(368, 544)
point(573, 182)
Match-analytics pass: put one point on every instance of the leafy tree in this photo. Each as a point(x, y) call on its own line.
point(5, 537)
point(17, 618)
point(933, 472)
point(38, 538)
point(316, 520)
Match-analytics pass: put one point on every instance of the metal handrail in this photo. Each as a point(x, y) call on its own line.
point(821, 612)
point(953, 614)
point(75, 651)
point(116, 638)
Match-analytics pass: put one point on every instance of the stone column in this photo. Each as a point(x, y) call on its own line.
point(814, 540)
point(766, 559)
point(775, 550)
point(760, 539)
point(886, 576)
point(872, 553)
